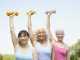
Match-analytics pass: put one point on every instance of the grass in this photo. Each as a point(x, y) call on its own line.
point(7, 57)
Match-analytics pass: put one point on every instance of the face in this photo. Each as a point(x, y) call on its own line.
point(42, 35)
point(60, 35)
point(23, 40)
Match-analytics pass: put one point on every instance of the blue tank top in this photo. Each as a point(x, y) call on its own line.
point(23, 56)
point(44, 53)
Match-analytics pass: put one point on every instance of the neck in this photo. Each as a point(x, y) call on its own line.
point(42, 42)
point(23, 46)
point(60, 41)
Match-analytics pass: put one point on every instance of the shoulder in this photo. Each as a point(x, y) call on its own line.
point(33, 50)
point(66, 46)
point(17, 46)
point(54, 43)
point(37, 45)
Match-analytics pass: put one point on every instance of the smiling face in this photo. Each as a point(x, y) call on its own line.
point(23, 38)
point(60, 35)
point(41, 35)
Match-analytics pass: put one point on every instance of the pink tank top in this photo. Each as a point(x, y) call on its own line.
point(60, 53)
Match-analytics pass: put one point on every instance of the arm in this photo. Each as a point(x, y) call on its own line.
point(52, 53)
point(50, 36)
point(11, 25)
point(29, 26)
point(30, 29)
point(68, 55)
point(35, 56)
point(30, 13)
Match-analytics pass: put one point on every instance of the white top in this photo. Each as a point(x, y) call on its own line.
point(20, 55)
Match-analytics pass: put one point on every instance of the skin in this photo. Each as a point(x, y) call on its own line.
point(20, 42)
point(15, 40)
point(42, 35)
point(23, 40)
point(60, 36)
point(33, 39)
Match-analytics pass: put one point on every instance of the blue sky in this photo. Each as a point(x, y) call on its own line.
point(67, 18)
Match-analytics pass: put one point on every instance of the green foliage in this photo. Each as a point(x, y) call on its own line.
point(1, 57)
point(8, 57)
point(73, 57)
point(75, 51)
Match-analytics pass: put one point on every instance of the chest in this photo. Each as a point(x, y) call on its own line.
point(27, 54)
point(44, 49)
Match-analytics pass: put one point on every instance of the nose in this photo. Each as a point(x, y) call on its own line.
point(22, 38)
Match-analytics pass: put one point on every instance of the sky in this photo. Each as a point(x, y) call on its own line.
point(67, 18)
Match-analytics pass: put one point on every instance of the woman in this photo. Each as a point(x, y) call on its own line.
point(43, 47)
point(23, 50)
point(59, 49)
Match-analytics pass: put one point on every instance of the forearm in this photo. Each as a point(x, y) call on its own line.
point(13, 36)
point(35, 55)
point(68, 57)
point(30, 13)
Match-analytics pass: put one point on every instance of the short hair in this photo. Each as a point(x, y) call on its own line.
point(61, 32)
point(23, 32)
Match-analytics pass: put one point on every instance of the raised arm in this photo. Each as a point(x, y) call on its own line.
point(11, 15)
point(52, 53)
point(35, 55)
point(49, 13)
point(68, 55)
point(30, 13)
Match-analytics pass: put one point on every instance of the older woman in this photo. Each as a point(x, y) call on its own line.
point(59, 49)
point(43, 47)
